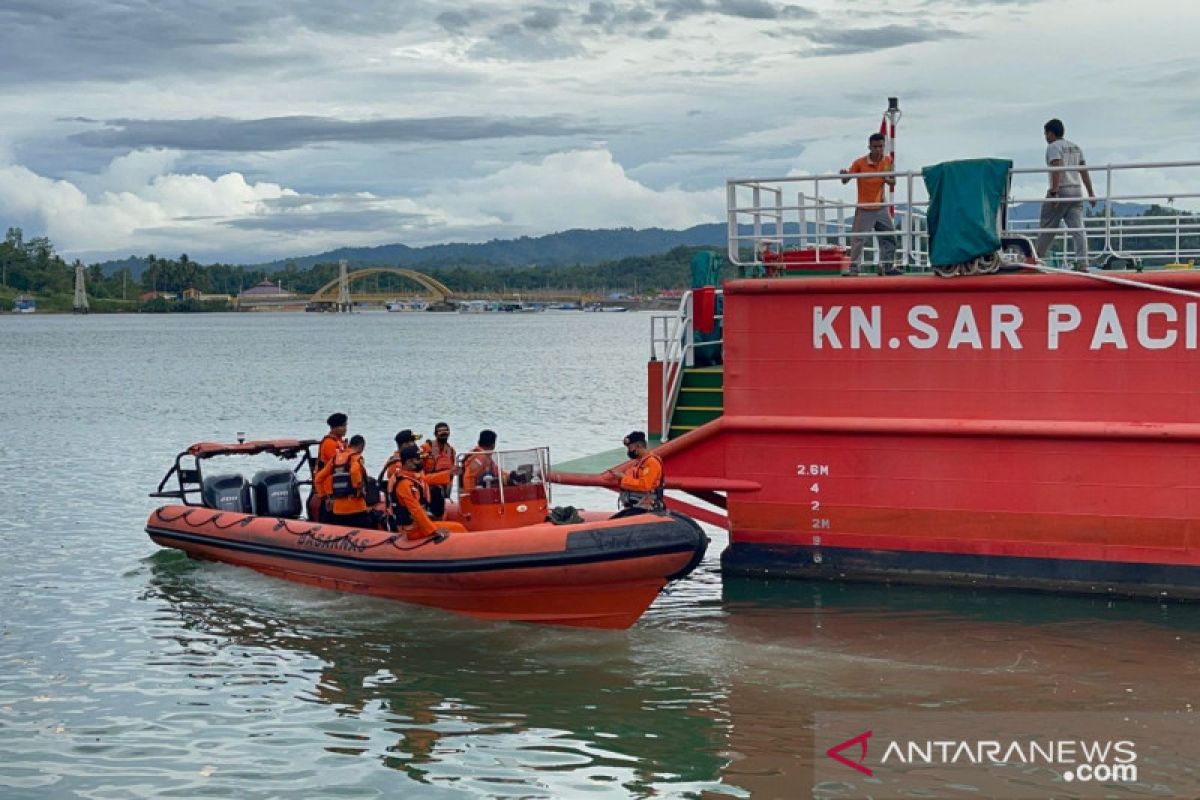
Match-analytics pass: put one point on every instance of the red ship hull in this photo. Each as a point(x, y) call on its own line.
point(1022, 430)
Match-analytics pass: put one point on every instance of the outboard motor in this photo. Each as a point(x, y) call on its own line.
point(227, 493)
point(276, 493)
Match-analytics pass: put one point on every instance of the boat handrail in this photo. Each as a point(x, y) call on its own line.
point(761, 211)
point(678, 345)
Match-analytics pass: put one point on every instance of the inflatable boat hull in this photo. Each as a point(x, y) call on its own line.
point(596, 574)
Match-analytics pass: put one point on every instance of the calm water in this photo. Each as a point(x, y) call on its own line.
point(127, 671)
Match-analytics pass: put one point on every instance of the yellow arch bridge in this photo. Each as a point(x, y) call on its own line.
point(337, 295)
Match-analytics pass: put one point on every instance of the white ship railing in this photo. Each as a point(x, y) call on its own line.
point(817, 210)
point(673, 336)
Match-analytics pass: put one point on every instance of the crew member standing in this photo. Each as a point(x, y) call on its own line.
point(331, 444)
point(347, 478)
point(1065, 194)
point(438, 461)
point(642, 484)
point(409, 495)
point(871, 214)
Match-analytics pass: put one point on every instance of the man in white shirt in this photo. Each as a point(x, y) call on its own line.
point(1064, 185)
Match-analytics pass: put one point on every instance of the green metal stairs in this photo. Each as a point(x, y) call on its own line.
point(701, 399)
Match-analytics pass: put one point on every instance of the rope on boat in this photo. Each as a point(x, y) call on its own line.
point(351, 537)
point(181, 515)
point(283, 523)
point(427, 540)
point(1099, 276)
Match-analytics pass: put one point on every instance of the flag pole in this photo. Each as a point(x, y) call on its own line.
point(888, 128)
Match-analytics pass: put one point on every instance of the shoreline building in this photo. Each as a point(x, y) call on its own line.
point(267, 296)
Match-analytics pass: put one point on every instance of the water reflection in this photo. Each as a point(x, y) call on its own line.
point(1007, 605)
point(447, 700)
point(808, 648)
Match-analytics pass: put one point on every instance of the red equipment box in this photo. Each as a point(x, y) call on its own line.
point(810, 260)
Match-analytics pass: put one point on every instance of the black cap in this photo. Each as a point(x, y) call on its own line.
point(635, 436)
point(405, 436)
point(409, 451)
point(337, 420)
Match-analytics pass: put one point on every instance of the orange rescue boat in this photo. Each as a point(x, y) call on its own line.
point(599, 573)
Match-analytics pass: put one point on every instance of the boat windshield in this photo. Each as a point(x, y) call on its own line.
point(522, 467)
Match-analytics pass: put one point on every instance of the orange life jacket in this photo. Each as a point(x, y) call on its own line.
point(437, 461)
point(410, 494)
point(330, 446)
point(348, 480)
point(478, 465)
point(642, 486)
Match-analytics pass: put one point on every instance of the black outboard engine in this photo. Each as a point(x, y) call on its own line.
point(276, 493)
point(227, 493)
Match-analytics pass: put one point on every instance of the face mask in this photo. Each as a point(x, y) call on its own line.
point(631, 453)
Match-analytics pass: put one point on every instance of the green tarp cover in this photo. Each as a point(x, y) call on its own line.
point(706, 271)
point(965, 198)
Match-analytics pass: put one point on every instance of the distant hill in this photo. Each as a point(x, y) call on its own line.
point(1031, 211)
point(565, 248)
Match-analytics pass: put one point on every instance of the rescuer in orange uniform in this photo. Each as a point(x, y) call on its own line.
point(403, 439)
point(478, 465)
point(409, 495)
point(346, 476)
point(642, 484)
point(438, 460)
point(331, 444)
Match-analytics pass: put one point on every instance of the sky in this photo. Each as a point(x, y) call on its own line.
point(249, 131)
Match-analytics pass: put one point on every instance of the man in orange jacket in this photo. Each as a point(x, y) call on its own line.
point(403, 439)
point(479, 468)
point(409, 495)
point(641, 485)
point(331, 444)
point(438, 460)
point(346, 475)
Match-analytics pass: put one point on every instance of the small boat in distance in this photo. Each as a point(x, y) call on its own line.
point(478, 307)
point(598, 307)
point(512, 562)
point(24, 304)
point(407, 305)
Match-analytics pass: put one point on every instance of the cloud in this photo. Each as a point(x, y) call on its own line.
point(519, 42)
point(157, 213)
point(746, 9)
point(342, 216)
point(576, 189)
point(64, 40)
point(453, 21)
point(230, 218)
point(543, 18)
point(862, 40)
point(285, 133)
